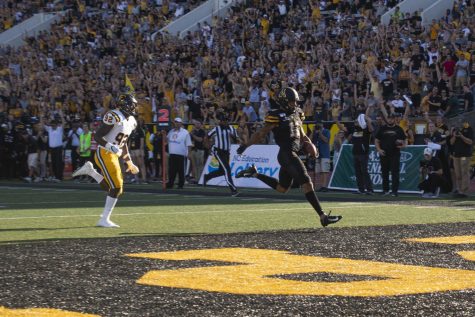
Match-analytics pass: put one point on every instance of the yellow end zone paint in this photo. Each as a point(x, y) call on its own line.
point(446, 240)
point(467, 255)
point(40, 312)
point(253, 271)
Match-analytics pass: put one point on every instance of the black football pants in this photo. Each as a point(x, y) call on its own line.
point(390, 163)
point(57, 162)
point(291, 168)
point(176, 165)
point(361, 172)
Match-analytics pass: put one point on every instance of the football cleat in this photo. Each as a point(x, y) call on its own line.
point(86, 169)
point(251, 171)
point(105, 223)
point(326, 220)
point(234, 193)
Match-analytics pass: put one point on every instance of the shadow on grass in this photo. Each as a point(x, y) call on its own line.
point(42, 229)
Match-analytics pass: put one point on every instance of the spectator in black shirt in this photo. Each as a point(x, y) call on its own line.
point(21, 147)
point(461, 139)
point(42, 153)
point(360, 137)
point(198, 151)
point(435, 136)
point(435, 101)
point(194, 106)
point(389, 141)
point(444, 102)
point(431, 175)
point(467, 98)
point(388, 87)
point(156, 139)
point(137, 151)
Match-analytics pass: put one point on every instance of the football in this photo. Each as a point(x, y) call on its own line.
point(309, 148)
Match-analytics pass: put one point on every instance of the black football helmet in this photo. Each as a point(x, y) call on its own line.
point(127, 104)
point(286, 96)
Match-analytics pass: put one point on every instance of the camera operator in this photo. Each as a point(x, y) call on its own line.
point(461, 140)
point(431, 175)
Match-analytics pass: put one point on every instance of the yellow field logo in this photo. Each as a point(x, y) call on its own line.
point(40, 312)
point(263, 272)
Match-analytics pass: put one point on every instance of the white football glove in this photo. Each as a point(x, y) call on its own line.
point(113, 149)
point(131, 167)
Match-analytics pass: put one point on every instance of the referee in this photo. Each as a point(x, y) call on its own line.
point(222, 133)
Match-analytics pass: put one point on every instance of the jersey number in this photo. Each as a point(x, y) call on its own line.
point(121, 139)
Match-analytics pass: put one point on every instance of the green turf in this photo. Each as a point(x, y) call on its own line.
point(53, 213)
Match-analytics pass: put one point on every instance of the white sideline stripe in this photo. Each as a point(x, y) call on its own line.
point(463, 209)
point(252, 199)
point(359, 206)
point(159, 213)
point(178, 212)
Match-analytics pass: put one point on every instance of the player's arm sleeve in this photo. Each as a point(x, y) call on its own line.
point(272, 118)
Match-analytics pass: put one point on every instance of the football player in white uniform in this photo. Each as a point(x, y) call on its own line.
point(112, 138)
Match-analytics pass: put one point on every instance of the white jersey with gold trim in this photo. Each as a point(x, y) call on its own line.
point(122, 129)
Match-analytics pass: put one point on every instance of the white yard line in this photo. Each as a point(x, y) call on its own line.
point(159, 213)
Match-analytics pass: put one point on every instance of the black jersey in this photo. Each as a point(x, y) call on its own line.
point(134, 139)
point(287, 132)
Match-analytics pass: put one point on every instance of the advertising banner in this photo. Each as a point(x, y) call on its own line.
point(263, 156)
point(343, 176)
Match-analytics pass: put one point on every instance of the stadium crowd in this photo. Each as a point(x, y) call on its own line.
point(157, 12)
point(337, 54)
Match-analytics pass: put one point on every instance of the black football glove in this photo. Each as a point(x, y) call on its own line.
point(241, 149)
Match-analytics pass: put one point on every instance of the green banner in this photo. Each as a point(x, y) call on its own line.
point(343, 176)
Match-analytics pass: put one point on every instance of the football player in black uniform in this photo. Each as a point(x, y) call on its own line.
point(286, 124)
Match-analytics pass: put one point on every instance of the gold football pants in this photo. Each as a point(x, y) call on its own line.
point(110, 167)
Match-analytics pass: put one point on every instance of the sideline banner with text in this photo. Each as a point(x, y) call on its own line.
point(263, 156)
point(343, 176)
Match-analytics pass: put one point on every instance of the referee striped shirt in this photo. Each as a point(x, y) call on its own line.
point(222, 137)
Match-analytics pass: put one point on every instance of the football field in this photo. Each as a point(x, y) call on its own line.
point(200, 252)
